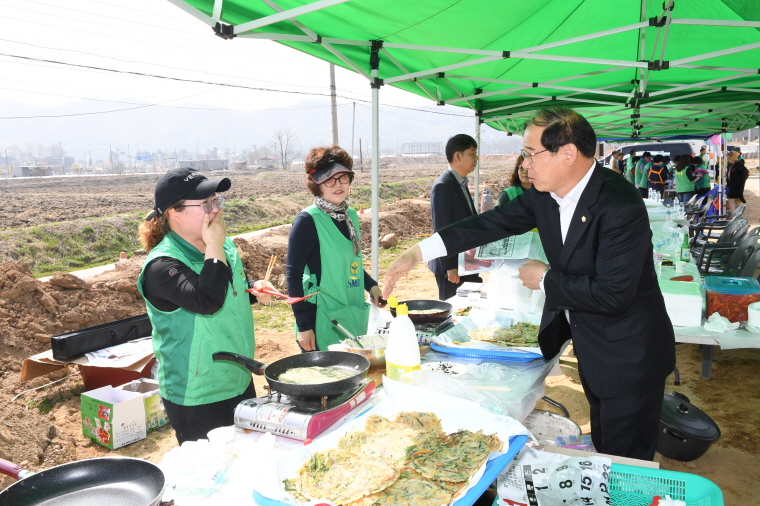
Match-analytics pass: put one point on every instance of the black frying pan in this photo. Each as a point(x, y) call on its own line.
point(340, 359)
point(107, 481)
point(443, 310)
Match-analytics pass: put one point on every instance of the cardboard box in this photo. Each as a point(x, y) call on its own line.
point(112, 417)
point(155, 414)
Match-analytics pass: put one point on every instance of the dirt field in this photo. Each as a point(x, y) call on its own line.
point(42, 428)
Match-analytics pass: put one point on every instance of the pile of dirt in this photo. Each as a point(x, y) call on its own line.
point(32, 311)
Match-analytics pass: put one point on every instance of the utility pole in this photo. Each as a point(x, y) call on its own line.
point(7, 168)
point(176, 160)
point(88, 152)
point(353, 124)
point(63, 165)
point(110, 157)
point(333, 101)
point(361, 158)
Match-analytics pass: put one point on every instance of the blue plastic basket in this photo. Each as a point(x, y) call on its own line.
point(636, 486)
point(501, 356)
point(493, 469)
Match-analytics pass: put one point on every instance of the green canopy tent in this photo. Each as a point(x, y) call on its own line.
point(635, 69)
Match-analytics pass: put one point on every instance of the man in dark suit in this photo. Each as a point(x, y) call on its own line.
point(601, 289)
point(450, 202)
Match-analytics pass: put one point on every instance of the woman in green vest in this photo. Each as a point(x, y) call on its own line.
point(194, 288)
point(325, 256)
point(684, 176)
point(518, 183)
point(702, 183)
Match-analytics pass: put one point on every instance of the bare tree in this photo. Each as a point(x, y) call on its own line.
point(285, 144)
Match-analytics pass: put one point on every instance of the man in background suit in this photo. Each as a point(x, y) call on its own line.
point(450, 202)
point(601, 289)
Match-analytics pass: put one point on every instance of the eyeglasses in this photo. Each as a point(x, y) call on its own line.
point(208, 205)
point(342, 179)
point(529, 156)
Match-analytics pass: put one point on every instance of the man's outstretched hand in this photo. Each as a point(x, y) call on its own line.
point(398, 269)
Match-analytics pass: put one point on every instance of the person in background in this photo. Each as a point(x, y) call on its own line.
point(601, 287)
point(615, 162)
point(630, 171)
point(195, 294)
point(657, 175)
point(450, 202)
point(684, 176)
point(702, 183)
point(736, 176)
point(325, 256)
point(642, 172)
point(518, 183)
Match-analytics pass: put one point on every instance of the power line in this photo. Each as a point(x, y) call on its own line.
point(180, 79)
point(154, 64)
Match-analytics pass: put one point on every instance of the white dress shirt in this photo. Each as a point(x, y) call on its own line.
point(433, 246)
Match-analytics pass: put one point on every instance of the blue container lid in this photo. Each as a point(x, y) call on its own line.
point(722, 284)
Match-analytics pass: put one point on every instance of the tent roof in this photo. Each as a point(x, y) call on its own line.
point(633, 68)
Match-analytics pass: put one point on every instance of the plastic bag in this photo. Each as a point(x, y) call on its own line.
point(543, 479)
point(378, 319)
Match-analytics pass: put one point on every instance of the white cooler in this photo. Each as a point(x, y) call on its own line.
point(684, 300)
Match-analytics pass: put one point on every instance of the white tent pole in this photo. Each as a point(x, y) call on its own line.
point(477, 165)
point(469, 63)
point(375, 174)
point(716, 22)
point(403, 69)
point(282, 16)
point(217, 12)
point(707, 56)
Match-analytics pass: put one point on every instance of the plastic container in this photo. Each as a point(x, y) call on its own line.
point(730, 297)
point(402, 354)
point(635, 486)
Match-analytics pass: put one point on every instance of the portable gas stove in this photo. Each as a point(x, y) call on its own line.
point(299, 418)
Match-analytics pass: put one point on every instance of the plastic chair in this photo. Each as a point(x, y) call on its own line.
point(694, 204)
point(751, 266)
point(730, 238)
point(708, 226)
point(739, 257)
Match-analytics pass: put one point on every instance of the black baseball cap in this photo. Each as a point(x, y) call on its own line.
point(184, 184)
point(322, 174)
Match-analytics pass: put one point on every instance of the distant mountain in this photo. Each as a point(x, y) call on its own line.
point(201, 129)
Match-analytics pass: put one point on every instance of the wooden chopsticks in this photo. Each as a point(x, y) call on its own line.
point(272, 260)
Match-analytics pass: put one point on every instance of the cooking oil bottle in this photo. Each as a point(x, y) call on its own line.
point(402, 354)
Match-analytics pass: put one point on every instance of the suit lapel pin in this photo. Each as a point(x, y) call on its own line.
point(583, 219)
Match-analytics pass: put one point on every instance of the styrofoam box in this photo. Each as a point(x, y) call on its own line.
point(684, 310)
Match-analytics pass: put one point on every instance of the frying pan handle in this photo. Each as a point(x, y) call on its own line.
point(13, 470)
point(252, 365)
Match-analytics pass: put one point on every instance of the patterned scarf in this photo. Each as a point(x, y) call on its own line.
point(339, 213)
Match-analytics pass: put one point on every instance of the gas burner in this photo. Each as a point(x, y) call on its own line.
point(299, 418)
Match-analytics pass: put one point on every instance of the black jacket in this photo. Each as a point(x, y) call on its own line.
point(603, 275)
point(448, 205)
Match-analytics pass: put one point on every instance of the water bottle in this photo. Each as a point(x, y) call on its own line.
point(657, 257)
point(486, 201)
point(668, 215)
point(402, 355)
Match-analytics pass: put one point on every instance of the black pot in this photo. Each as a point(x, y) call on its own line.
point(686, 432)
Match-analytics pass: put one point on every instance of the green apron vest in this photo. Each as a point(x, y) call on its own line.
point(642, 171)
point(341, 287)
point(183, 342)
point(514, 191)
point(704, 181)
point(683, 185)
